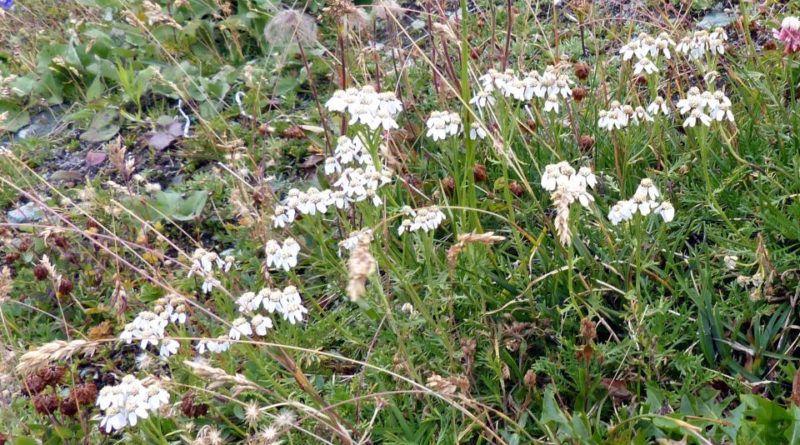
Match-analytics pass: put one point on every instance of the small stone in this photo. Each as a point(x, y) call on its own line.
point(30, 212)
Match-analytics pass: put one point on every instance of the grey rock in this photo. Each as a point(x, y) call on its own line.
point(28, 213)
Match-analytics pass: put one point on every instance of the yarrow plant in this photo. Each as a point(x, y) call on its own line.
point(368, 107)
point(358, 180)
point(645, 200)
point(425, 219)
point(646, 47)
point(619, 116)
point(567, 186)
point(203, 264)
point(552, 85)
point(286, 302)
point(443, 124)
point(282, 256)
point(348, 151)
point(129, 401)
point(659, 106)
point(705, 107)
point(148, 328)
point(615, 117)
point(703, 43)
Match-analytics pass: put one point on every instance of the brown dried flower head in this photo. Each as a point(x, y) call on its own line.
point(33, 385)
point(85, 393)
point(588, 330)
point(579, 93)
point(585, 142)
point(45, 403)
point(582, 70)
point(449, 185)
point(530, 379)
point(479, 172)
point(64, 287)
point(40, 272)
point(52, 375)
point(516, 189)
point(191, 409)
point(69, 407)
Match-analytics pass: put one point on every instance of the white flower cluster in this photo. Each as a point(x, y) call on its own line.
point(148, 328)
point(132, 399)
point(220, 344)
point(703, 42)
point(203, 262)
point(551, 85)
point(426, 218)
point(359, 184)
point(567, 186)
point(645, 66)
point(442, 124)
point(647, 47)
point(614, 118)
point(644, 201)
point(368, 107)
point(658, 105)
point(705, 107)
point(286, 302)
point(348, 151)
point(483, 99)
point(477, 131)
point(358, 181)
point(619, 116)
point(562, 177)
point(282, 256)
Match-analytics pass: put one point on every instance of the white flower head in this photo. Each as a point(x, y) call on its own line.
point(443, 124)
point(644, 201)
point(645, 66)
point(425, 219)
point(291, 305)
point(261, 324)
point(129, 401)
point(240, 327)
point(615, 118)
point(476, 131)
point(282, 256)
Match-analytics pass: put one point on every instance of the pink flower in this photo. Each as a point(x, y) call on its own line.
point(789, 34)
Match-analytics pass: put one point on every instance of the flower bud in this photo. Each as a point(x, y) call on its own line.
point(516, 189)
point(40, 272)
point(579, 93)
point(582, 70)
point(530, 379)
point(449, 185)
point(45, 403)
point(64, 287)
point(585, 142)
point(479, 172)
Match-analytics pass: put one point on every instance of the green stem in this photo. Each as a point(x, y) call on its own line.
point(471, 198)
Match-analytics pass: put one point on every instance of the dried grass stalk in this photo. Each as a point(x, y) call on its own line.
point(54, 351)
point(487, 239)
